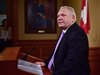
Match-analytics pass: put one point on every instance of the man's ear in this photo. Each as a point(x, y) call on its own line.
point(73, 18)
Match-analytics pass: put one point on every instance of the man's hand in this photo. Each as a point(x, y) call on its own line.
point(40, 63)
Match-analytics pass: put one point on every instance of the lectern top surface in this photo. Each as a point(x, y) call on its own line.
point(10, 53)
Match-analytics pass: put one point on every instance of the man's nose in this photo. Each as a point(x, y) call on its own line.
point(59, 17)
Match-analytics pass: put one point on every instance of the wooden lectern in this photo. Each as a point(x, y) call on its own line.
point(9, 59)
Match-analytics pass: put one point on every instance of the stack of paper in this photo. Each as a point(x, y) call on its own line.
point(31, 67)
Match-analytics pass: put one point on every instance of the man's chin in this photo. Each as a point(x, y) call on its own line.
point(61, 26)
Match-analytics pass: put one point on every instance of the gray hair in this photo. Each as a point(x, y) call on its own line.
point(71, 10)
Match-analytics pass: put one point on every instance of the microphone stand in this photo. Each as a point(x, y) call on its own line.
point(27, 54)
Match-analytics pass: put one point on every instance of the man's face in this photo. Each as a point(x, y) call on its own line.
point(64, 19)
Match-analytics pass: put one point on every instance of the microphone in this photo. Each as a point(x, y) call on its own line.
point(27, 54)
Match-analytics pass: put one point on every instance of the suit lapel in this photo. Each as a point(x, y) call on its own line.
point(66, 34)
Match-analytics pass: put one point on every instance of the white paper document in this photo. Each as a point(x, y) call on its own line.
point(31, 67)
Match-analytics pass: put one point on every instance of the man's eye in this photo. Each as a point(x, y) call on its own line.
point(63, 15)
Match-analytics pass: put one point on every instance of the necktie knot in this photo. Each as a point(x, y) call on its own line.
point(62, 33)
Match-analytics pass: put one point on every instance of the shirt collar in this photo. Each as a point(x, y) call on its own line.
point(67, 29)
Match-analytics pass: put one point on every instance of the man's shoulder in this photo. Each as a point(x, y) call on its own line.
point(76, 29)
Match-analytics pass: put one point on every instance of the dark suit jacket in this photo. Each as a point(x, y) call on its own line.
point(71, 57)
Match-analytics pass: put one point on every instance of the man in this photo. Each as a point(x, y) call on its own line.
point(71, 56)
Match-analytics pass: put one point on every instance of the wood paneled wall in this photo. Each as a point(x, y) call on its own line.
point(43, 47)
point(94, 59)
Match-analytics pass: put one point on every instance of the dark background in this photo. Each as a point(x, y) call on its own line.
point(2, 6)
